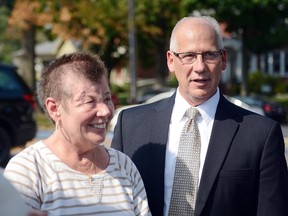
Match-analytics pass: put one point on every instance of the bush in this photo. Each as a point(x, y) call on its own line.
point(257, 80)
point(121, 93)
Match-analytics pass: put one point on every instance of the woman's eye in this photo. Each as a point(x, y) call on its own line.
point(108, 99)
point(89, 101)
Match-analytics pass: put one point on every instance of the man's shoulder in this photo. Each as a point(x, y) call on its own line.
point(150, 107)
point(158, 102)
point(228, 109)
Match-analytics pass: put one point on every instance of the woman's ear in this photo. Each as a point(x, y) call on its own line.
point(53, 108)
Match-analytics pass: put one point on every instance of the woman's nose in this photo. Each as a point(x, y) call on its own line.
point(104, 110)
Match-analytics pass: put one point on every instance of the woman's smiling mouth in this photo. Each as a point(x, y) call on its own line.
point(99, 125)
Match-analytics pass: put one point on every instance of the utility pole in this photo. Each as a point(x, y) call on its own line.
point(132, 52)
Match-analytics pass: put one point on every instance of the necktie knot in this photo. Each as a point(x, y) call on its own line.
point(192, 113)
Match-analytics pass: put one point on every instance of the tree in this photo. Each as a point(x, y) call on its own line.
point(260, 24)
point(24, 26)
point(7, 44)
point(155, 20)
point(102, 26)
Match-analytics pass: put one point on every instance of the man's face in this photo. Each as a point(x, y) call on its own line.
point(198, 81)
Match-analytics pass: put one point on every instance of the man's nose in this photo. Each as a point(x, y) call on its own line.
point(199, 64)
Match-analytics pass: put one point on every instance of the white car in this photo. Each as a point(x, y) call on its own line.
point(240, 103)
point(116, 114)
point(168, 94)
point(155, 98)
point(159, 97)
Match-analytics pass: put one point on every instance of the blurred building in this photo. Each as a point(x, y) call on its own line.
point(45, 52)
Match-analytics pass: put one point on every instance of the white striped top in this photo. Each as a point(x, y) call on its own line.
point(49, 185)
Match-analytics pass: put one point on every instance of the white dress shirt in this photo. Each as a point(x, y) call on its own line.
point(205, 123)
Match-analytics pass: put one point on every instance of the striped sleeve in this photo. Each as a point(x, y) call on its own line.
point(28, 176)
point(139, 194)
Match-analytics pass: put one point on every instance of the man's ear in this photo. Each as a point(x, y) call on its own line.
point(170, 61)
point(224, 59)
point(53, 108)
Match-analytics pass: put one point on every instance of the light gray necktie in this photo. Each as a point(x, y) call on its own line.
point(185, 185)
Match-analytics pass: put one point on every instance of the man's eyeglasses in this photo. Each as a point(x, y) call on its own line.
point(191, 57)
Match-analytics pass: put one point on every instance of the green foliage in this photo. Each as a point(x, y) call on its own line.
point(257, 80)
point(281, 99)
point(121, 92)
point(154, 22)
point(7, 44)
point(102, 25)
point(119, 89)
point(232, 88)
point(261, 23)
point(172, 81)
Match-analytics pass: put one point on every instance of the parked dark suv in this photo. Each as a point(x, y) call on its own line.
point(17, 104)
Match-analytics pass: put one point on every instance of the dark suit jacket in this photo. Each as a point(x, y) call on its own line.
point(245, 172)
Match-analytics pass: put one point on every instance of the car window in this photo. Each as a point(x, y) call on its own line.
point(8, 82)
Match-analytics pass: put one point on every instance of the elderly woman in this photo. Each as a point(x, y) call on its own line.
point(71, 172)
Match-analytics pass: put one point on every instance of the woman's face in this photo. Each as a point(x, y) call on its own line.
point(85, 116)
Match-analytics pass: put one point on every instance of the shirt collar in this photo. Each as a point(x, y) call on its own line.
point(207, 109)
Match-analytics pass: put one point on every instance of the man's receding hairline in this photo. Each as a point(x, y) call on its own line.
point(193, 20)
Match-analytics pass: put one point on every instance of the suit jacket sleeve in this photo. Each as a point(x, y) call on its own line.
point(273, 181)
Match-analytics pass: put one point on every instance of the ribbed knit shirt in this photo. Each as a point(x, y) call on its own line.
point(49, 185)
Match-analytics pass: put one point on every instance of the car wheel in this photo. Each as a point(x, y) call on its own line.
point(5, 144)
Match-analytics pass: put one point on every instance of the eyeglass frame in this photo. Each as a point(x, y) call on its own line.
point(216, 53)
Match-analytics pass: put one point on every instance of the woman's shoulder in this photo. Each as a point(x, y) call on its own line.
point(117, 154)
point(120, 159)
point(32, 150)
point(30, 157)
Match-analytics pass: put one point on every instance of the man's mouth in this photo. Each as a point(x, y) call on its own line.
point(200, 80)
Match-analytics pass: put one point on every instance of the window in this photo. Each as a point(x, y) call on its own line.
point(9, 82)
point(286, 62)
point(276, 62)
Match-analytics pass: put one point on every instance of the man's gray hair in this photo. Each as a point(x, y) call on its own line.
point(213, 22)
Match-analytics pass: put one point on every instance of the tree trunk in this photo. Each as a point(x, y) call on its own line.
point(28, 44)
point(162, 69)
point(245, 65)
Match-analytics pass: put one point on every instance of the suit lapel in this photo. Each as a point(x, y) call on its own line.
point(159, 129)
point(223, 131)
point(161, 121)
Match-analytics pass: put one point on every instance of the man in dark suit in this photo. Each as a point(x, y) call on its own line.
point(242, 164)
